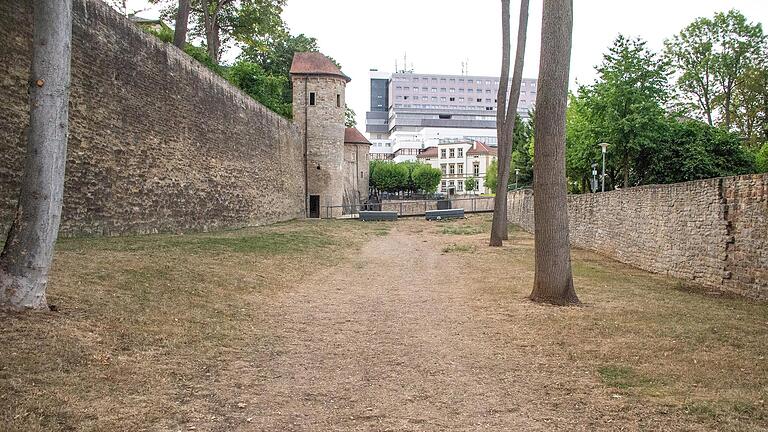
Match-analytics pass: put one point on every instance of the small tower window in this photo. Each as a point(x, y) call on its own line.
point(338, 100)
point(312, 98)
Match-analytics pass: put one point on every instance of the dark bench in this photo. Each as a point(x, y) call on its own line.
point(368, 215)
point(444, 214)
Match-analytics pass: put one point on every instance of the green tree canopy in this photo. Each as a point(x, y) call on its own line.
point(426, 178)
point(711, 56)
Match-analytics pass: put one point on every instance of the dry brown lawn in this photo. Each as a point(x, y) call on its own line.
point(344, 325)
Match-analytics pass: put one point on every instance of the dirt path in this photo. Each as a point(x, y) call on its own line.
point(399, 339)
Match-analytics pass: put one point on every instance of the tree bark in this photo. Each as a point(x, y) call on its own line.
point(553, 280)
point(210, 21)
point(505, 116)
point(182, 21)
point(28, 252)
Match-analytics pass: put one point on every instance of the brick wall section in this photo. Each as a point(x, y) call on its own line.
point(157, 142)
point(712, 232)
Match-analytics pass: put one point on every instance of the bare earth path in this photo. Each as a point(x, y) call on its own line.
point(399, 338)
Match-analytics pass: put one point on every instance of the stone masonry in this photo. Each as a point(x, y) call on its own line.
point(323, 124)
point(158, 143)
point(711, 232)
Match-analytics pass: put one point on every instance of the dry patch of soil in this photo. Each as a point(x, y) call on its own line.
point(344, 325)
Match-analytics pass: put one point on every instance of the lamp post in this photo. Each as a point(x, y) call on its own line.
point(604, 146)
point(517, 173)
point(593, 183)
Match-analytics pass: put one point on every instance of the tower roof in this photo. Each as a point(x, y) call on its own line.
point(315, 63)
point(353, 136)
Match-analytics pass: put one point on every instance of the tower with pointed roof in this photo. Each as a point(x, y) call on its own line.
point(318, 109)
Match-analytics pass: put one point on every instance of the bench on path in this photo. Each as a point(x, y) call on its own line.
point(370, 215)
point(444, 214)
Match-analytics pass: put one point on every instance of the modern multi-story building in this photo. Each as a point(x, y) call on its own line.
point(459, 160)
point(410, 112)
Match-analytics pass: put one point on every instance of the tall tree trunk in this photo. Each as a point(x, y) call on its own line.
point(505, 116)
point(553, 280)
point(182, 21)
point(28, 252)
point(210, 22)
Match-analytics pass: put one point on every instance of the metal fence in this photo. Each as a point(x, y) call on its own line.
point(410, 208)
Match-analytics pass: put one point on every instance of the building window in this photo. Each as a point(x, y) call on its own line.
point(452, 169)
point(442, 155)
point(434, 90)
point(442, 99)
point(460, 186)
point(452, 153)
point(460, 152)
point(479, 100)
point(476, 169)
point(453, 99)
point(442, 168)
point(442, 186)
point(442, 89)
point(460, 168)
point(338, 100)
point(453, 90)
point(312, 98)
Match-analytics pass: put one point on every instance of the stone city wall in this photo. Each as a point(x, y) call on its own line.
point(712, 232)
point(158, 143)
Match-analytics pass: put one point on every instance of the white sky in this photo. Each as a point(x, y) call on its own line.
point(438, 35)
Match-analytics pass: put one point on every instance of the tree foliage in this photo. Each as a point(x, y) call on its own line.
point(349, 117)
point(408, 176)
point(625, 107)
point(711, 56)
point(426, 178)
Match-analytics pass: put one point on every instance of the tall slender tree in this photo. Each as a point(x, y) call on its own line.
point(553, 280)
point(182, 23)
point(506, 111)
point(26, 257)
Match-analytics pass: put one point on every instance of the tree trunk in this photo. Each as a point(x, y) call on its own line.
point(506, 112)
point(28, 252)
point(211, 31)
point(182, 20)
point(626, 169)
point(553, 280)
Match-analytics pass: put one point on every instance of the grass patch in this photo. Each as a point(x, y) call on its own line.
point(268, 243)
point(622, 377)
point(458, 248)
point(463, 230)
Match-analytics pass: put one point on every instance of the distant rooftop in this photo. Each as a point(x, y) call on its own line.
point(353, 136)
point(315, 63)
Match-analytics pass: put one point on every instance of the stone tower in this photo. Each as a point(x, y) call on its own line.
point(318, 110)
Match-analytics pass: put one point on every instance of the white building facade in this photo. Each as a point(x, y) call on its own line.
point(460, 160)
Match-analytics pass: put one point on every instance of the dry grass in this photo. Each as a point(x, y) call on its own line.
point(653, 341)
point(163, 332)
point(149, 327)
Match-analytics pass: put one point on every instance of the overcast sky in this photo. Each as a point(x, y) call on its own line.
point(437, 35)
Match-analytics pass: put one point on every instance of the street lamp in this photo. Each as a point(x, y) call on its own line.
point(604, 146)
point(517, 173)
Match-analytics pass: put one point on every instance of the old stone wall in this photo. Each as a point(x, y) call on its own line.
point(157, 141)
point(355, 175)
point(712, 232)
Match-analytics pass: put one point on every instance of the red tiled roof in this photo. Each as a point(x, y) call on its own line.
point(428, 152)
point(315, 63)
point(353, 136)
point(478, 148)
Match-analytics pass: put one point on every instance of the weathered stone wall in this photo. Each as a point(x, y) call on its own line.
point(712, 232)
point(355, 175)
point(157, 142)
point(325, 135)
